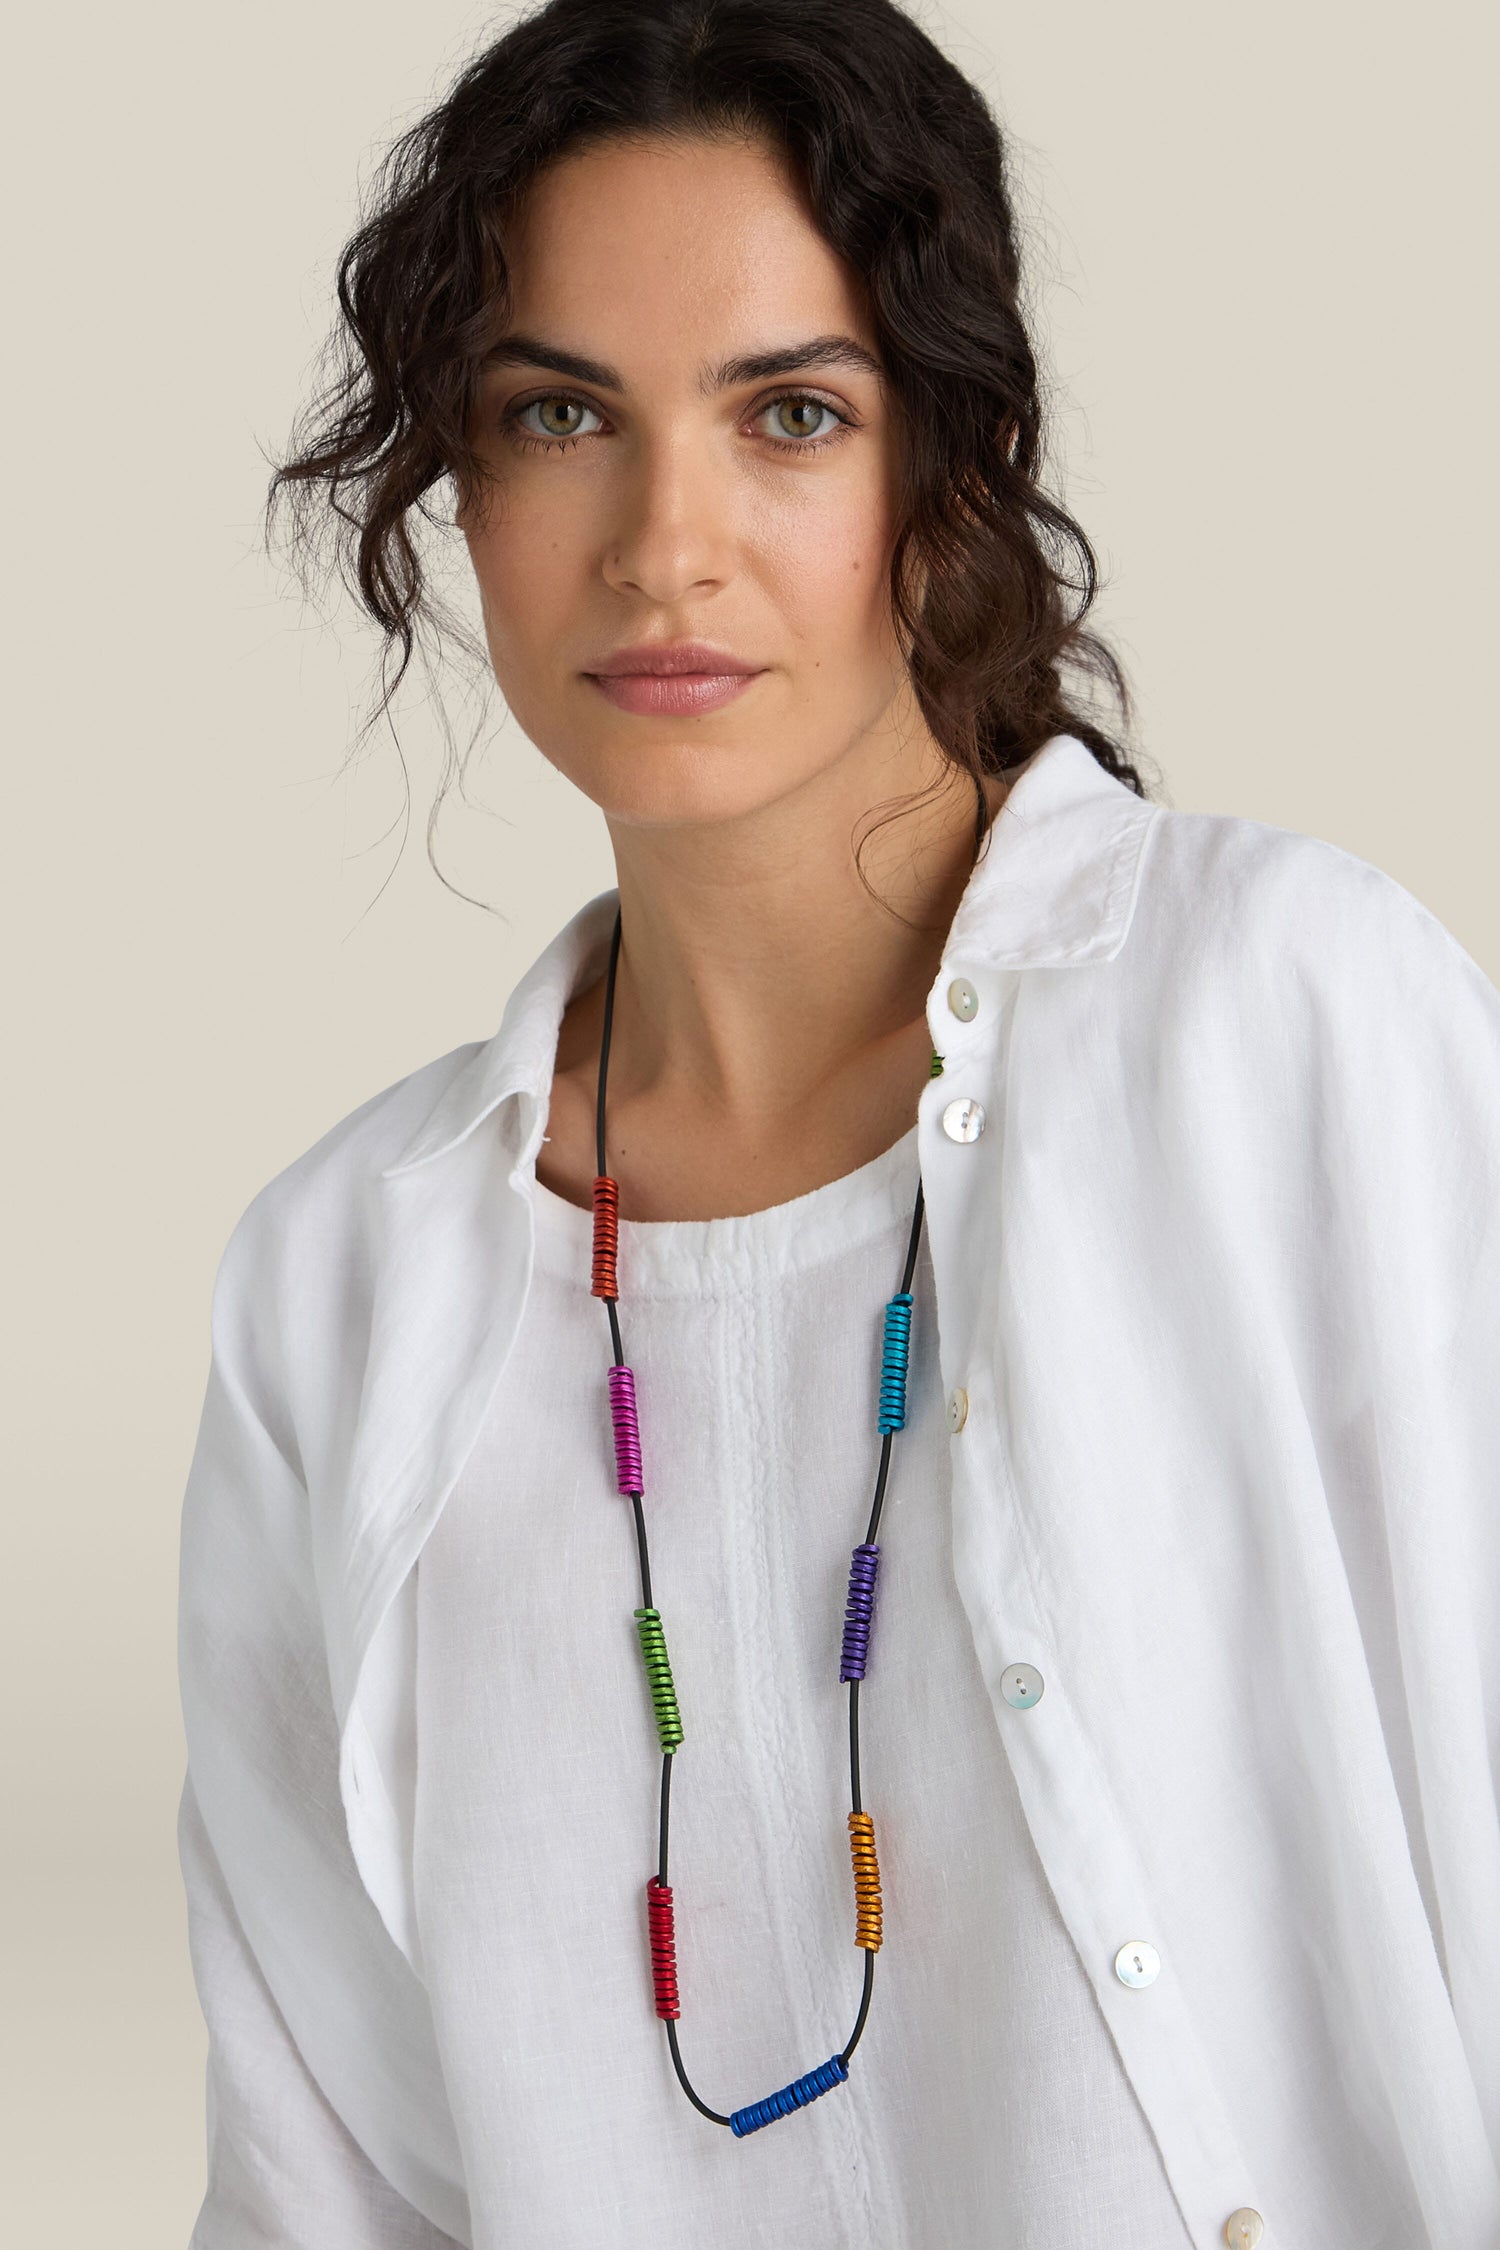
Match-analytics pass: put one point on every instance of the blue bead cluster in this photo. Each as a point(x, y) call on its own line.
point(893, 1360)
point(796, 2096)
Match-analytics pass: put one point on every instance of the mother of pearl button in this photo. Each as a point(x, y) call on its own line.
point(1137, 1963)
point(963, 1120)
point(1021, 1686)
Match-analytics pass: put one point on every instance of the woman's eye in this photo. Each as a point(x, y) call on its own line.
point(797, 423)
point(797, 419)
point(558, 418)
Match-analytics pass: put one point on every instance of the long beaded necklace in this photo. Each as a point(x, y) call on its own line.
point(859, 1609)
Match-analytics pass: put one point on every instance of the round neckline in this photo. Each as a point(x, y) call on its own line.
point(683, 1257)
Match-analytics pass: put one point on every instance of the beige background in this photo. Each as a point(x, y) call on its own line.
point(1263, 259)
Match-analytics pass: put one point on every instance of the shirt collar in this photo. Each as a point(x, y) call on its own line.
point(1056, 884)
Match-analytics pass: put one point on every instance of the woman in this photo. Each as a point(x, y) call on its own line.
point(1083, 1211)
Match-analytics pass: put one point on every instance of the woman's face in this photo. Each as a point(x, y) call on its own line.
point(688, 438)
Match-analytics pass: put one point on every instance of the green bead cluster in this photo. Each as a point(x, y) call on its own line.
point(937, 1065)
point(659, 1677)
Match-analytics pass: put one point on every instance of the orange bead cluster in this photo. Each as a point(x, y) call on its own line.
point(606, 1281)
point(866, 1881)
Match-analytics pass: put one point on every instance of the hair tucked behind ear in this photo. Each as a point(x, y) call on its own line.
point(905, 172)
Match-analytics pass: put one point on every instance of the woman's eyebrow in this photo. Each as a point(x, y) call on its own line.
point(520, 350)
point(793, 359)
point(535, 351)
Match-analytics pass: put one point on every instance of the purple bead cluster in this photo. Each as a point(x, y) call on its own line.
point(858, 1611)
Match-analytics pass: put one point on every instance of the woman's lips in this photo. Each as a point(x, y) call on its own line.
point(671, 693)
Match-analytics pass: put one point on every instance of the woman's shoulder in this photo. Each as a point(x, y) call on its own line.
point(1255, 905)
point(1283, 976)
point(352, 1152)
point(306, 1240)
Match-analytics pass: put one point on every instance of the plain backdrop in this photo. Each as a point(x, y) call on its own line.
point(1262, 266)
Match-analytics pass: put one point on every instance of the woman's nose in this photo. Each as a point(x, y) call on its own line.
point(674, 531)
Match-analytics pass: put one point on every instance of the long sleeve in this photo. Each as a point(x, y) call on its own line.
point(1410, 1232)
point(283, 2168)
point(328, 2124)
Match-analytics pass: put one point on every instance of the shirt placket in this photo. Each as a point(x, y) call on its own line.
point(1074, 1813)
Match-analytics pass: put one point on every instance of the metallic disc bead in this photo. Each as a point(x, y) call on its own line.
point(659, 1678)
point(790, 2098)
point(662, 1927)
point(627, 1429)
point(605, 1282)
point(859, 1609)
point(866, 1881)
point(893, 1361)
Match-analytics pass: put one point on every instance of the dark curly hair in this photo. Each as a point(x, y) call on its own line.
point(906, 174)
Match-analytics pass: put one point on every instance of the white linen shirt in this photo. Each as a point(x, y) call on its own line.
point(985, 2101)
point(1218, 1305)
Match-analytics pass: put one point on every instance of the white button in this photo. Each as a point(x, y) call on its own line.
point(1244, 2228)
point(963, 999)
point(1137, 1963)
point(958, 1409)
point(1021, 1685)
point(963, 1121)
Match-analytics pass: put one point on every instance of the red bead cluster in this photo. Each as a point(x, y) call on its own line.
point(663, 1946)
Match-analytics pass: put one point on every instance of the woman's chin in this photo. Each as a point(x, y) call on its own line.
point(668, 777)
point(683, 800)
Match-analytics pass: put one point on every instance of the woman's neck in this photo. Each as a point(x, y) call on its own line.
point(769, 1025)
